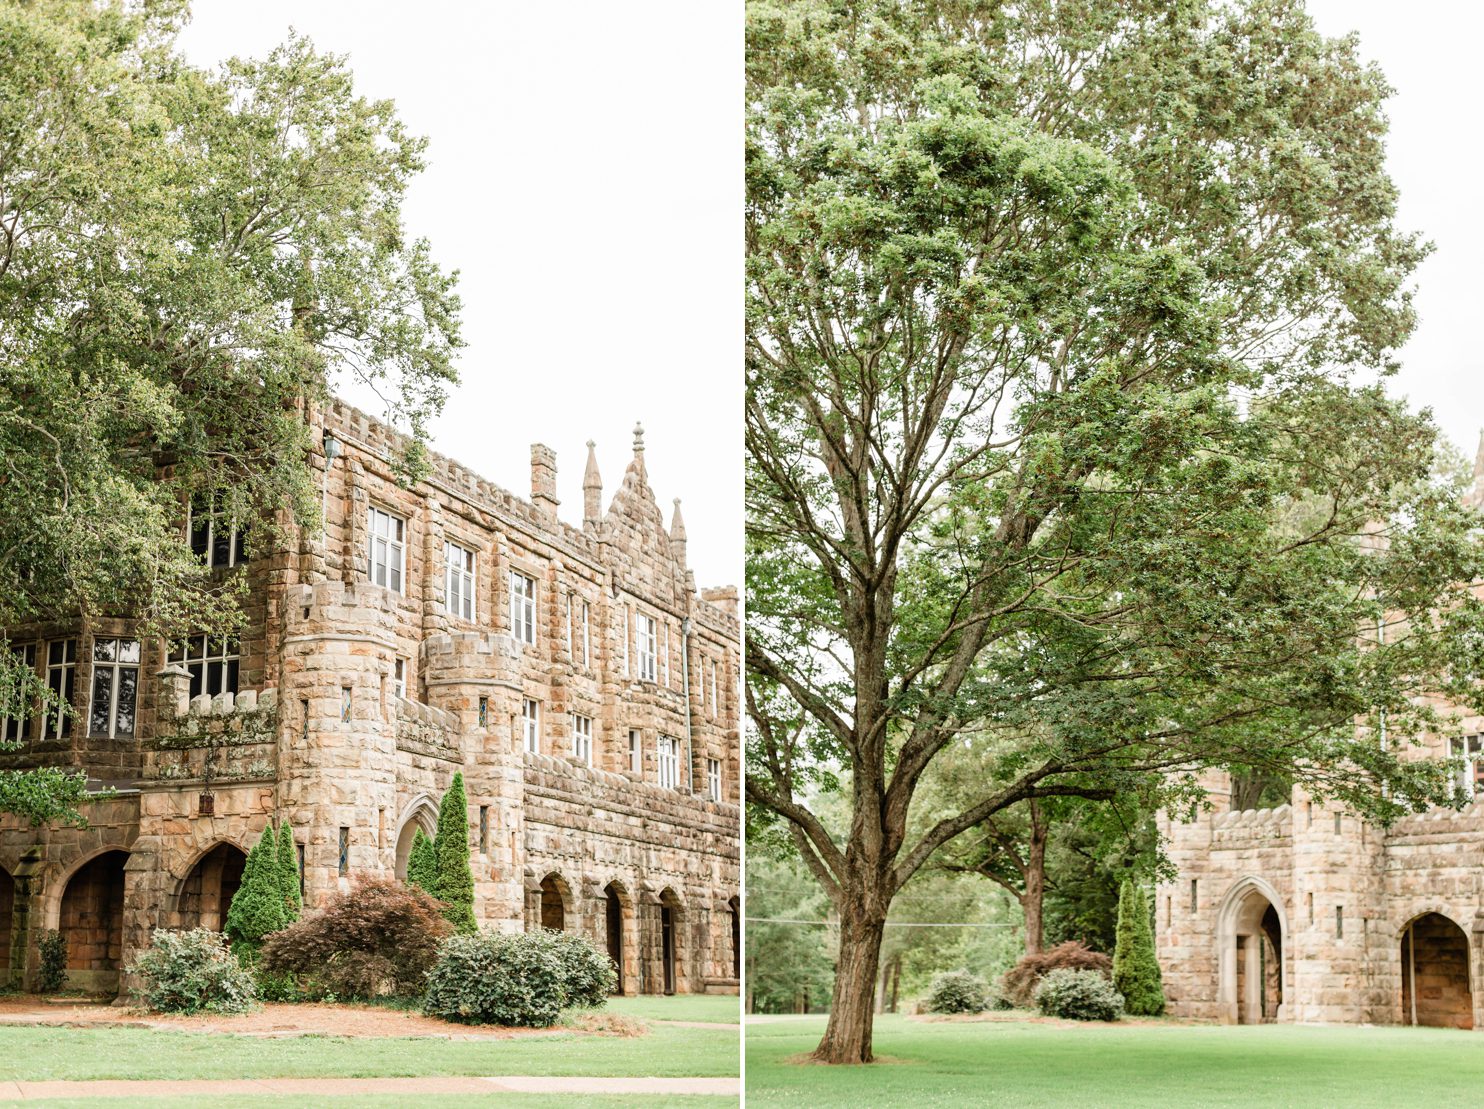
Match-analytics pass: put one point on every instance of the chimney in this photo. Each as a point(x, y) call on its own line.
point(592, 489)
point(677, 534)
point(543, 479)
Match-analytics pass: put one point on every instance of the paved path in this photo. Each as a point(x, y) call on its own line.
point(331, 1087)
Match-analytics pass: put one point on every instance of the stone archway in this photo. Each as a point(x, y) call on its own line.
point(422, 813)
point(91, 916)
point(671, 933)
point(1436, 991)
point(734, 914)
point(205, 894)
point(554, 900)
point(1251, 936)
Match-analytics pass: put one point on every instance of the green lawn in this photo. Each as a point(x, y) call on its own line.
point(714, 1008)
point(399, 1101)
point(1015, 1063)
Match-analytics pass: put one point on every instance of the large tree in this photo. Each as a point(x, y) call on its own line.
point(1064, 441)
point(187, 259)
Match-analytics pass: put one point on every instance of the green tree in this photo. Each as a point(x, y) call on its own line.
point(257, 907)
point(422, 863)
point(288, 874)
point(453, 878)
point(188, 260)
point(1135, 967)
point(1060, 442)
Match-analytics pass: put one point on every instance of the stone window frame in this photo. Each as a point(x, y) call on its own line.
point(1470, 776)
point(401, 672)
point(394, 542)
point(460, 581)
point(523, 606)
point(636, 751)
point(117, 668)
point(14, 729)
point(582, 738)
point(530, 725)
point(61, 679)
point(713, 779)
point(647, 646)
point(667, 760)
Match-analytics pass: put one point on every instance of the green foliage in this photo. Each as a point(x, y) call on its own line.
point(958, 991)
point(422, 863)
point(524, 979)
point(1136, 971)
point(1023, 979)
point(188, 972)
point(258, 908)
point(1078, 995)
point(52, 975)
point(789, 967)
point(288, 874)
point(453, 878)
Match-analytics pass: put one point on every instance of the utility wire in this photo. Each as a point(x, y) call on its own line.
point(889, 923)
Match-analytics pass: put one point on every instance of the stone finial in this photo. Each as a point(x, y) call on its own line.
point(677, 534)
point(592, 488)
point(638, 438)
point(543, 479)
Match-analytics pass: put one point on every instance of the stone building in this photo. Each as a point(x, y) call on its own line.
point(586, 689)
point(1307, 913)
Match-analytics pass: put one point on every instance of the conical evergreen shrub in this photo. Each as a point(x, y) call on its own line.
point(422, 864)
point(257, 907)
point(288, 874)
point(1135, 968)
point(453, 878)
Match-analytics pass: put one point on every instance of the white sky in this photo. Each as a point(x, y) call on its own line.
point(586, 179)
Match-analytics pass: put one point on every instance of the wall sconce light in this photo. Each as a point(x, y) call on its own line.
point(332, 447)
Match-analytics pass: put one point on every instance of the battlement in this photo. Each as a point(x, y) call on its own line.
point(1247, 825)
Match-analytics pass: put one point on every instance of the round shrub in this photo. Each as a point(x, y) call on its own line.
point(523, 979)
point(958, 991)
point(1018, 986)
point(186, 972)
point(1079, 995)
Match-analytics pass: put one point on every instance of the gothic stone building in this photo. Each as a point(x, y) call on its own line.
point(575, 675)
point(1307, 913)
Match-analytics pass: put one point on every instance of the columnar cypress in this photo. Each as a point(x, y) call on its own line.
point(1135, 968)
point(422, 864)
point(257, 908)
point(288, 874)
point(453, 878)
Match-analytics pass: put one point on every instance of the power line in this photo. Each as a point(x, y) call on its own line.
point(889, 923)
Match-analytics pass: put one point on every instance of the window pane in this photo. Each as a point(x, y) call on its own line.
point(214, 677)
point(105, 650)
point(102, 698)
point(128, 680)
point(128, 650)
point(231, 686)
point(198, 675)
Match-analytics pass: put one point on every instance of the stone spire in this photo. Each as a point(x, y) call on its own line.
point(677, 534)
point(592, 488)
point(639, 446)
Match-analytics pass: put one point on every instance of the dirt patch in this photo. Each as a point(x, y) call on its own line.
point(808, 1059)
point(282, 1020)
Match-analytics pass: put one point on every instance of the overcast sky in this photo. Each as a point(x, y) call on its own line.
point(586, 179)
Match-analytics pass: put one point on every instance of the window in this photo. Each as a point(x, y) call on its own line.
point(484, 829)
point(713, 779)
point(647, 641)
point(623, 614)
point(522, 607)
point(1339, 922)
point(586, 638)
point(344, 852)
point(212, 661)
point(1194, 892)
point(530, 715)
point(484, 712)
point(1470, 774)
point(458, 581)
point(399, 678)
point(713, 687)
point(636, 751)
point(669, 762)
point(570, 640)
point(665, 654)
point(13, 729)
point(345, 703)
point(1311, 908)
point(582, 738)
point(215, 539)
point(61, 679)
point(387, 537)
point(115, 687)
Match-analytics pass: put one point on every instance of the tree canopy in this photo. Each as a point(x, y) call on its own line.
point(1066, 440)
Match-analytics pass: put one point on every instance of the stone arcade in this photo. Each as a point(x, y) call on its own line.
point(1307, 913)
point(575, 675)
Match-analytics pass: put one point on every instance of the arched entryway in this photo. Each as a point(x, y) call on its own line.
point(91, 916)
point(613, 931)
point(422, 813)
point(553, 903)
point(1251, 933)
point(1435, 973)
point(671, 921)
point(7, 913)
point(207, 891)
point(734, 911)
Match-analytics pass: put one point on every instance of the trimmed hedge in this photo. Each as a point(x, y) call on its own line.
point(521, 979)
point(957, 991)
point(188, 972)
point(1078, 995)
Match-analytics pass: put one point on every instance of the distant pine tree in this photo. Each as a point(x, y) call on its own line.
point(422, 864)
point(257, 908)
point(1135, 967)
point(453, 878)
point(288, 874)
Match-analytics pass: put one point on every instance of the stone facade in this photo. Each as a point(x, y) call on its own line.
point(575, 675)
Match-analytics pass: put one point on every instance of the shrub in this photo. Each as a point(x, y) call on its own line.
point(257, 908)
point(288, 874)
point(1019, 983)
point(378, 938)
point(524, 979)
point(422, 863)
point(454, 880)
point(958, 991)
point(53, 973)
point(1078, 995)
point(1135, 968)
point(186, 972)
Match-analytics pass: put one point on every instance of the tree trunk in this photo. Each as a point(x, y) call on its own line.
point(847, 1037)
point(1035, 880)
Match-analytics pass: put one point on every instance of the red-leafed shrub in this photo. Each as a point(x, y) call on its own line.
point(379, 939)
point(1018, 987)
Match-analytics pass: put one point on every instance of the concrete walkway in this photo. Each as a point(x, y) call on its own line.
point(350, 1087)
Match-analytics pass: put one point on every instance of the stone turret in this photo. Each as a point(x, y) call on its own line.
point(592, 489)
point(543, 480)
point(677, 534)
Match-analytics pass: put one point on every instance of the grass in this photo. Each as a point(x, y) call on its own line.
point(713, 1008)
point(1023, 1063)
point(398, 1101)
